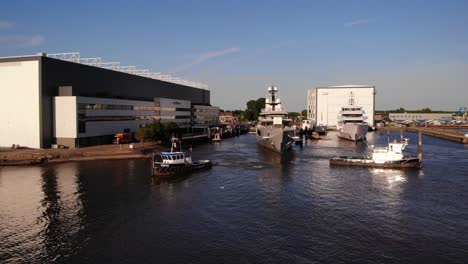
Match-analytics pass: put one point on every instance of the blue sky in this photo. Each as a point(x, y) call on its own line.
point(414, 52)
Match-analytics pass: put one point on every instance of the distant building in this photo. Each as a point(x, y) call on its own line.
point(205, 116)
point(172, 110)
point(379, 118)
point(419, 116)
point(311, 104)
point(228, 118)
point(324, 103)
point(73, 101)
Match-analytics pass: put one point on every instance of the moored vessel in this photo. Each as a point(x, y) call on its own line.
point(275, 131)
point(351, 121)
point(320, 129)
point(173, 163)
point(217, 135)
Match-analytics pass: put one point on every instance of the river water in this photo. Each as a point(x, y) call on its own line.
point(253, 207)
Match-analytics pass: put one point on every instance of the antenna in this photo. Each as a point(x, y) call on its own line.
point(351, 98)
point(273, 90)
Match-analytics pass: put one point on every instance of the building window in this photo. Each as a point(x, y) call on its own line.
point(81, 123)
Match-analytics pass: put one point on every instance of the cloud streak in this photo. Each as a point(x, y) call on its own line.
point(204, 57)
point(21, 41)
point(6, 24)
point(356, 22)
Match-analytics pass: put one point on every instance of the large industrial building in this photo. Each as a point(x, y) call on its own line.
point(324, 103)
point(397, 117)
point(72, 101)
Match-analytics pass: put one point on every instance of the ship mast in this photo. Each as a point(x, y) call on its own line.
point(351, 98)
point(272, 90)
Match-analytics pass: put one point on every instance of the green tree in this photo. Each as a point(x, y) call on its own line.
point(156, 131)
point(293, 115)
point(249, 115)
point(304, 114)
point(237, 112)
point(426, 110)
point(254, 107)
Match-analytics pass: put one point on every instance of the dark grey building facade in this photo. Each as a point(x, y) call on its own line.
point(59, 77)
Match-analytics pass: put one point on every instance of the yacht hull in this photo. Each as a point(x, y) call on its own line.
point(278, 140)
point(353, 131)
point(408, 162)
point(171, 170)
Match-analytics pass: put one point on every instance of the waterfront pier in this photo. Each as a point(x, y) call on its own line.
point(433, 131)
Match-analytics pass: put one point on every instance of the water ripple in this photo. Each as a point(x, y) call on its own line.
point(253, 207)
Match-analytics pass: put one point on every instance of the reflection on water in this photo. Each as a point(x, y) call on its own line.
point(253, 206)
point(40, 211)
point(20, 199)
point(388, 177)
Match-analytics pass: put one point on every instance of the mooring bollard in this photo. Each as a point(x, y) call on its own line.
point(420, 155)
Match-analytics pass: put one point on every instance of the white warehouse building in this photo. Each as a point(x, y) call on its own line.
point(324, 103)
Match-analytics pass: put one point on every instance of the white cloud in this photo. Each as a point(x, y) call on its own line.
point(21, 41)
point(204, 57)
point(6, 24)
point(356, 22)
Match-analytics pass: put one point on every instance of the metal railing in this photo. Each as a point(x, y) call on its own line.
point(97, 62)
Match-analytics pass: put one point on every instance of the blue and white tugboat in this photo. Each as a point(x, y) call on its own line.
point(170, 164)
point(383, 157)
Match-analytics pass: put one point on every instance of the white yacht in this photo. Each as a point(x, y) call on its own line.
point(351, 121)
point(275, 130)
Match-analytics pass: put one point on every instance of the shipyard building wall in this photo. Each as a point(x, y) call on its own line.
point(30, 83)
point(89, 81)
point(82, 121)
point(419, 116)
point(20, 103)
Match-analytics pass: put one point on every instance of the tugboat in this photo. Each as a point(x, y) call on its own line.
point(275, 131)
point(351, 125)
point(384, 157)
point(170, 164)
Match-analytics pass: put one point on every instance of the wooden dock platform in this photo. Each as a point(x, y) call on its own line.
point(438, 132)
point(447, 134)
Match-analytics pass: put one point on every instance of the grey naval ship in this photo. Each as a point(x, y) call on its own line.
point(275, 131)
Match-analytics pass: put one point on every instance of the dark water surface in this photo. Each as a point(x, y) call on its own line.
point(254, 207)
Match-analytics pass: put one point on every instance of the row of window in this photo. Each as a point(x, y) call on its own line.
point(176, 157)
point(156, 107)
point(124, 118)
point(351, 109)
point(206, 118)
point(216, 110)
point(417, 116)
point(352, 115)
